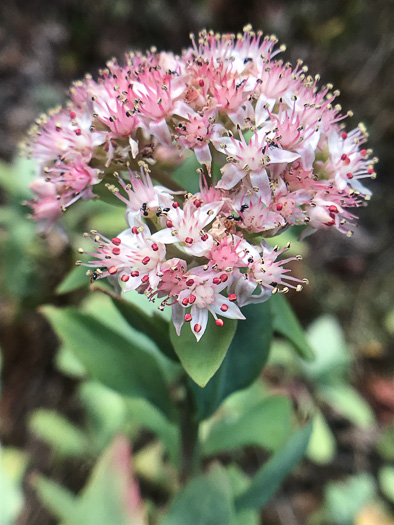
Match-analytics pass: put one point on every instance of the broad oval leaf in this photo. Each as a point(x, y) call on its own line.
point(286, 323)
point(110, 358)
point(272, 474)
point(202, 359)
point(244, 361)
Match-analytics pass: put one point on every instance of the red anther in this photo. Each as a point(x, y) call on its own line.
point(349, 175)
point(135, 273)
point(134, 229)
point(197, 328)
point(332, 215)
point(279, 206)
point(72, 115)
point(363, 152)
point(344, 135)
point(125, 278)
point(112, 270)
point(201, 82)
point(116, 251)
point(333, 209)
point(188, 318)
point(224, 277)
point(347, 161)
point(204, 237)
point(145, 279)
point(169, 224)
point(116, 241)
point(232, 297)
point(224, 308)
point(190, 282)
point(216, 280)
point(343, 156)
point(219, 322)
point(197, 203)
point(185, 301)
point(154, 247)
point(189, 240)
point(175, 204)
point(145, 260)
point(330, 223)
point(192, 299)
point(370, 171)
point(77, 131)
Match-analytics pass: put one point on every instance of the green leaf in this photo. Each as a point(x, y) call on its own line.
point(345, 499)
point(57, 499)
point(206, 500)
point(385, 445)
point(345, 400)
point(332, 357)
point(266, 424)
point(109, 357)
point(243, 363)
point(67, 362)
point(74, 280)
point(287, 324)
point(386, 482)
point(239, 482)
point(110, 496)
point(272, 474)
point(13, 464)
point(56, 431)
point(154, 326)
point(322, 446)
point(202, 359)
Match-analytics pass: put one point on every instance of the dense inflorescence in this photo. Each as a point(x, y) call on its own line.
point(272, 149)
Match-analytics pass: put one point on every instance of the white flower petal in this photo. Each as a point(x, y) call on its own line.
point(165, 236)
point(178, 317)
point(232, 174)
point(199, 316)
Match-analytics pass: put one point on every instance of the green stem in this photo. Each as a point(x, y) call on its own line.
point(190, 445)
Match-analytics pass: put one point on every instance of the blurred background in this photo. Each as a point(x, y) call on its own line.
point(45, 45)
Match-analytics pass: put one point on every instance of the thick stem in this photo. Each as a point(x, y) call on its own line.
point(190, 446)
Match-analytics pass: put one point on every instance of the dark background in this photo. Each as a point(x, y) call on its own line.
point(46, 44)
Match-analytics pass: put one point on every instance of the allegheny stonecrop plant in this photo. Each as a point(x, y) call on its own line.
point(272, 149)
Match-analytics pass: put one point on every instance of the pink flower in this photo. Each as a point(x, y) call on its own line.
point(201, 296)
point(186, 226)
point(271, 150)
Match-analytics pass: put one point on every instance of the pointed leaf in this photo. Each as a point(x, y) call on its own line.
point(111, 494)
point(58, 500)
point(244, 361)
point(287, 324)
point(109, 357)
point(206, 500)
point(60, 434)
point(74, 280)
point(202, 359)
point(266, 425)
point(272, 474)
point(239, 482)
point(155, 326)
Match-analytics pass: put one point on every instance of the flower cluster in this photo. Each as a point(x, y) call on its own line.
point(272, 149)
